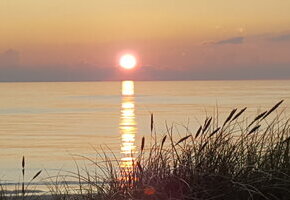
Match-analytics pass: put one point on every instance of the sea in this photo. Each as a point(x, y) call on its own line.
point(59, 126)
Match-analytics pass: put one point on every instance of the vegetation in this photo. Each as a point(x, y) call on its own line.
point(238, 159)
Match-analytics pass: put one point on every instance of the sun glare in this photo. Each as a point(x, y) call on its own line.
point(127, 88)
point(128, 61)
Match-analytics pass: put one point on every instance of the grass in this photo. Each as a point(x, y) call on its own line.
point(238, 159)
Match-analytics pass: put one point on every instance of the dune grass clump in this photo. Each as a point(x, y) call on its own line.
point(234, 160)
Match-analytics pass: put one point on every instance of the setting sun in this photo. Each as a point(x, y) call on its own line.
point(128, 61)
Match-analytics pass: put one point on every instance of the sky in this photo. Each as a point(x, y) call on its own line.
point(77, 40)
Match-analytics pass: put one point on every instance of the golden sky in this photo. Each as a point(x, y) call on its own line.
point(161, 31)
point(26, 22)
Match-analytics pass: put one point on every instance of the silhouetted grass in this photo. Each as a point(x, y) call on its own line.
point(238, 159)
point(17, 193)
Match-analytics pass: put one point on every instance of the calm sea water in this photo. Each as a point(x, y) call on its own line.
point(51, 123)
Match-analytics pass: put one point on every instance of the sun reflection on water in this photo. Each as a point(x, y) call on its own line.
point(127, 126)
point(128, 89)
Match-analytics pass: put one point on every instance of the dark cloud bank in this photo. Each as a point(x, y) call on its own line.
point(12, 70)
point(57, 73)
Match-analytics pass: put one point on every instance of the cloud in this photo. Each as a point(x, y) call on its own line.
point(234, 40)
point(54, 73)
point(281, 38)
point(258, 58)
point(9, 58)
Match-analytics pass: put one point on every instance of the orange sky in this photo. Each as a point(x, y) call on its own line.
point(180, 35)
point(27, 22)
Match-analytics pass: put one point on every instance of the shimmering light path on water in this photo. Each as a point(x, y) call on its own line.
point(127, 126)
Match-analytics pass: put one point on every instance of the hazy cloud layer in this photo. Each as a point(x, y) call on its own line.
point(235, 40)
point(281, 38)
point(256, 57)
point(9, 58)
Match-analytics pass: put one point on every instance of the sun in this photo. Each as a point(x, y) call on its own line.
point(128, 61)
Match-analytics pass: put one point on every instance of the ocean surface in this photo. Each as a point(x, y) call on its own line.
point(55, 124)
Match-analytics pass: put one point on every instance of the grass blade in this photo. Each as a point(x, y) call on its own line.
point(142, 144)
point(182, 139)
point(198, 132)
point(254, 129)
point(230, 116)
point(151, 122)
point(273, 109)
point(163, 141)
point(239, 113)
point(207, 123)
point(214, 132)
point(257, 118)
point(36, 175)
